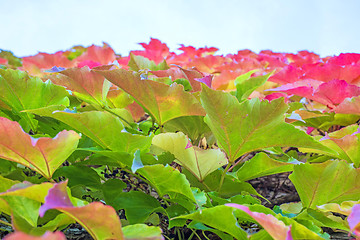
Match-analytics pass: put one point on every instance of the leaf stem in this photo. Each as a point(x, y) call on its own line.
point(5, 223)
point(223, 176)
point(241, 159)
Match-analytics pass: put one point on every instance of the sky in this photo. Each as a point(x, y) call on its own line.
point(326, 27)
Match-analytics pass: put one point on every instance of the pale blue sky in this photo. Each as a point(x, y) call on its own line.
point(326, 27)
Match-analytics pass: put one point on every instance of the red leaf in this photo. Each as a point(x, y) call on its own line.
point(42, 61)
point(102, 55)
point(3, 61)
point(155, 51)
point(331, 93)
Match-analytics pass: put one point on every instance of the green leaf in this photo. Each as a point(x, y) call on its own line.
point(138, 63)
point(167, 180)
point(161, 101)
point(198, 161)
point(322, 219)
point(185, 83)
point(138, 205)
point(43, 155)
point(193, 126)
point(346, 144)
point(245, 84)
point(252, 125)
point(6, 183)
point(328, 182)
point(23, 207)
point(231, 186)
point(78, 175)
point(262, 165)
point(20, 92)
point(92, 125)
point(220, 218)
point(142, 232)
point(202, 227)
point(12, 59)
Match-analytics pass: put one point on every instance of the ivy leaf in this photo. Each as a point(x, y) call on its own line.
point(262, 165)
point(161, 101)
point(252, 125)
point(43, 155)
point(193, 126)
point(277, 229)
point(22, 202)
point(19, 91)
point(142, 232)
point(198, 161)
point(138, 205)
point(85, 84)
point(346, 143)
point(99, 220)
point(245, 86)
point(220, 218)
point(92, 125)
point(328, 182)
point(167, 180)
point(138, 63)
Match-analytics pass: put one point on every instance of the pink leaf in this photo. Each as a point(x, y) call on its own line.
point(354, 220)
point(47, 236)
point(99, 220)
point(276, 228)
point(103, 55)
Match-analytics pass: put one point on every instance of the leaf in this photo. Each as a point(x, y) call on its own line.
point(277, 229)
point(161, 101)
point(245, 86)
point(138, 63)
point(47, 236)
point(92, 125)
point(342, 208)
point(167, 180)
point(78, 175)
point(251, 125)
point(99, 220)
point(193, 126)
point(231, 186)
point(328, 182)
point(262, 165)
point(346, 143)
point(84, 83)
point(330, 93)
point(220, 218)
point(354, 219)
point(142, 232)
point(43, 155)
point(42, 61)
point(22, 202)
point(101, 55)
point(20, 92)
point(138, 205)
point(349, 106)
point(198, 161)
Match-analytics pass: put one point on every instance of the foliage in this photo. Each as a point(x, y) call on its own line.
point(159, 145)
